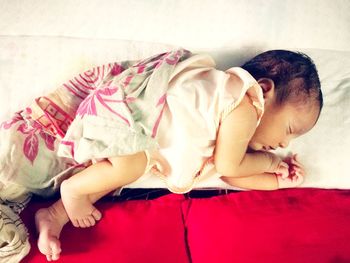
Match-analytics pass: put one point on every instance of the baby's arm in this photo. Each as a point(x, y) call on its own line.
point(271, 181)
point(231, 157)
point(234, 134)
point(264, 181)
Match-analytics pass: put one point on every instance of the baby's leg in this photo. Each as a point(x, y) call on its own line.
point(84, 213)
point(103, 176)
point(49, 223)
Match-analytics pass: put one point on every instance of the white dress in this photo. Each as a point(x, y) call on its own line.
point(198, 100)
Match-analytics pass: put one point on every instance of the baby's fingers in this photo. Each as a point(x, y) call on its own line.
point(283, 170)
point(298, 178)
point(297, 169)
point(284, 164)
point(295, 161)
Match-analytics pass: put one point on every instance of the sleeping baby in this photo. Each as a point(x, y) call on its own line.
point(173, 115)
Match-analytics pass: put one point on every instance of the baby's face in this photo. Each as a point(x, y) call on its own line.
point(281, 124)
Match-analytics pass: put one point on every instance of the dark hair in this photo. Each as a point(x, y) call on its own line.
point(293, 73)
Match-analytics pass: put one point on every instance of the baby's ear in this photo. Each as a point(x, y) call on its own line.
point(268, 87)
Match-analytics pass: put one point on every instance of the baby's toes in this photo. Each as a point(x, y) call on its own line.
point(96, 214)
point(75, 222)
point(56, 251)
point(89, 221)
point(53, 250)
point(81, 223)
point(55, 257)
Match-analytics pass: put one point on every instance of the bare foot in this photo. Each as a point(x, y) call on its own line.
point(49, 222)
point(79, 208)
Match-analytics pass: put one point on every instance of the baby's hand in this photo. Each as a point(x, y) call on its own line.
point(295, 175)
point(278, 166)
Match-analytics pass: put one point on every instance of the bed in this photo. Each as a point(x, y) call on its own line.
point(42, 44)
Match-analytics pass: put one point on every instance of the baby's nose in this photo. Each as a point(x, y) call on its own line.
point(284, 144)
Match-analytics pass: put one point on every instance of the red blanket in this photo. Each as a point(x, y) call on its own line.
point(295, 225)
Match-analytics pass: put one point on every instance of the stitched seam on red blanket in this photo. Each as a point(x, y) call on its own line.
point(184, 215)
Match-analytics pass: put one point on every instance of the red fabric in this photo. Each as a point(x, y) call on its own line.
point(296, 225)
point(132, 231)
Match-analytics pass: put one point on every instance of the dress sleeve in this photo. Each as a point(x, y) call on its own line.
point(234, 95)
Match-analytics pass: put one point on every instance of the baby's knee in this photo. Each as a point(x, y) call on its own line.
point(135, 164)
point(138, 163)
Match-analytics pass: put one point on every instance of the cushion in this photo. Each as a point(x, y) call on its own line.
point(294, 225)
point(133, 231)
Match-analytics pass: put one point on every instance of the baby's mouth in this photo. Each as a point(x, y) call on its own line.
point(250, 150)
point(267, 148)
